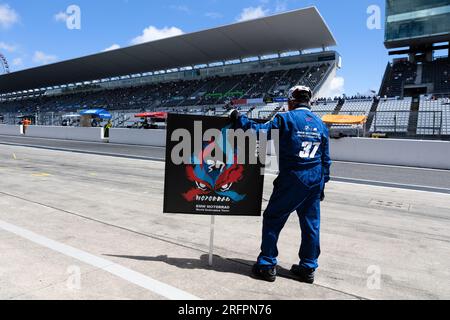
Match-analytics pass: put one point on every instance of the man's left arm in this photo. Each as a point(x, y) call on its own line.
point(243, 122)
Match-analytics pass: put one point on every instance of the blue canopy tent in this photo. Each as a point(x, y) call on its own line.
point(94, 117)
point(97, 113)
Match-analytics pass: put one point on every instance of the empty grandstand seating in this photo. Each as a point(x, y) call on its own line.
point(435, 73)
point(404, 78)
point(434, 117)
point(357, 107)
point(392, 115)
point(438, 73)
point(354, 106)
point(397, 75)
point(323, 108)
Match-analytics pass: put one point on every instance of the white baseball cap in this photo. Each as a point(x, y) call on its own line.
point(298, 89)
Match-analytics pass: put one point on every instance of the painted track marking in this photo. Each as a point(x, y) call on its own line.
point(124, 273)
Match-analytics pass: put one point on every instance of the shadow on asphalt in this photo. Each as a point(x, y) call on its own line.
point(236, 266)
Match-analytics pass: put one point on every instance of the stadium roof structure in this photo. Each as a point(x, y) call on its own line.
point(295, 30)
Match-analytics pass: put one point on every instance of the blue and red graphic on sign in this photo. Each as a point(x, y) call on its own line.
point(213, 177)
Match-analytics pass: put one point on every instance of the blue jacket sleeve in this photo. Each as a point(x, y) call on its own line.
point(246, 124)
point(326, 159)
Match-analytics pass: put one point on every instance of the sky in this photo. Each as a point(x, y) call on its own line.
point(34, 33)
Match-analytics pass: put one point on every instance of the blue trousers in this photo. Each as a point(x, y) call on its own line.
point(290, 195)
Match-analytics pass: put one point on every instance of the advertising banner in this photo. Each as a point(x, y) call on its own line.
point(210, 168)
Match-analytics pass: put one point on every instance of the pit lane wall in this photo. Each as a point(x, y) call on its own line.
point(62, 133)
point(412, 153)
point(155, 138)
point(9, 130)
point(401, 152)
point(66, 133)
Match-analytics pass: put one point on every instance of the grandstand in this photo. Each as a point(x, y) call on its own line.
point(392, 116)
point(413, 98)
point(205, 91)
point(325, 107)
point(437, 72)
point(169, 96)
point(403, 77)
point(246, 64)
point(357, 107)
point(434, 117)
point(419, 70)
point(398, 75)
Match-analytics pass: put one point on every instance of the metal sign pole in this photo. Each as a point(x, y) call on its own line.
point(211, 240)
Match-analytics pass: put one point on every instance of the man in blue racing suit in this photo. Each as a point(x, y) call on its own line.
point(305, 163)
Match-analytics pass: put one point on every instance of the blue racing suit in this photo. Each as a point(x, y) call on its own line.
point(304, 161)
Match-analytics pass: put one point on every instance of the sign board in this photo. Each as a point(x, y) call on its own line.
point(203, 174)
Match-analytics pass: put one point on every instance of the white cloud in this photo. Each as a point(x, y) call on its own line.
point(336, 88)
point(113, 47)
point(181, 8)
point(61, 17)
point(280, 6)
point(252, 13)
point(214, 15)
point(8, 16)
point(40, 57)
point(17, 62)
point(152, 33)
point(7, 47)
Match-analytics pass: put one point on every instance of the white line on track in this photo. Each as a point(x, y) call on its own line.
point(381, 184)
point(95, 153)
point(391, 185)
point(85, 142)
point(129, 275)
point(390, 166)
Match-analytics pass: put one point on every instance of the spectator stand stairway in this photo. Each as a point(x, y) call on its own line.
point(414, 116)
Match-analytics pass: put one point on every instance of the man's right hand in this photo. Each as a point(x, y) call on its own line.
point(322, 195)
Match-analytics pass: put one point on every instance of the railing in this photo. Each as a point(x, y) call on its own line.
point(399, 122)
point(429, 123)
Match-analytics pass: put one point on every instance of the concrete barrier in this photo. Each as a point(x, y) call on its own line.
point(66, 133)
point(156, 138)
point(10, 130)
point(400, 152)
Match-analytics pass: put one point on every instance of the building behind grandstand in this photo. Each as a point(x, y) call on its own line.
point(413, 100)
point(416, 84)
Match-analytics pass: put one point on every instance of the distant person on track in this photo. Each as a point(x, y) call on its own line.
point(94, 123)
point(146, 124)
point(304, 170)
point(25, 124)
point(108, 126)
